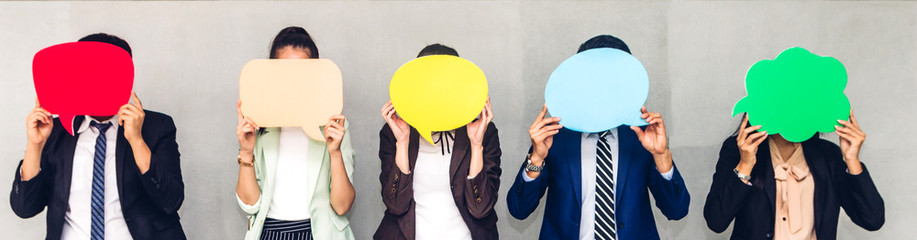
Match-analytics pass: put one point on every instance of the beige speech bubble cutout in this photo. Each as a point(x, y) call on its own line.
point(291, 92)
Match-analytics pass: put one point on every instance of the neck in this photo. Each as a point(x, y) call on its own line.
point(102, 118)
point(779, 140)
point(784, 146)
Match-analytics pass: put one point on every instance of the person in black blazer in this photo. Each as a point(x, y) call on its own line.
point(744, 186)
point(148, 173)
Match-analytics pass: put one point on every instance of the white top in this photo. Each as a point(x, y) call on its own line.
point(78, 218)
point(291, 195)
point(588, 146)
point(437, 216)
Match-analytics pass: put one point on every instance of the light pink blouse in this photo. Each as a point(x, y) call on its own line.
point(795, 212)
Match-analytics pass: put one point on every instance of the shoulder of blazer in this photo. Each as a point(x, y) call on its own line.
point(566, 133)
point(491, 130)
point(385, 130)
point(157, 118)
point(827, 150)
point(731, 144)
point(825, 146)
point(627, 134)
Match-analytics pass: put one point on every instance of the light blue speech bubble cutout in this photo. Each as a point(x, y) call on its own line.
point(597, 90)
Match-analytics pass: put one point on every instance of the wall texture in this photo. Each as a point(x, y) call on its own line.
point(188, 56)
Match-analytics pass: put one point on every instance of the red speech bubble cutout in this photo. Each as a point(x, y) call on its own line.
point(82, 78)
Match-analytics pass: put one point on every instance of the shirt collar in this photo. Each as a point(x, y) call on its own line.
point(87, 119)
point(612, 134)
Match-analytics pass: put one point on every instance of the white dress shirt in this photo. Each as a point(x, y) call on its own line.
point(436, 215)
point(291, 198)
point(588, 146)
point(78, 218)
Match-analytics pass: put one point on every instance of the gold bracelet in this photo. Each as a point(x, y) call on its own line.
point(245, 164)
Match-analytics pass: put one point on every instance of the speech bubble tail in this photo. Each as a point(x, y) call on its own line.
point(428, 135)
point(314, 133)
point(740, 106)
point(67, 121)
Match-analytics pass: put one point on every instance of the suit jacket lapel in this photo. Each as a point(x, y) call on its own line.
point(66, 157)
point(626, 144)
point(413, 147)
point(121, 147)
point(460, 147)
point(315, 162)
point(575, 161)
point(766, 177)
point(819, 171)
point(270, 143)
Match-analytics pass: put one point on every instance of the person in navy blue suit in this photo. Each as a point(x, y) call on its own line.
point(598, 181)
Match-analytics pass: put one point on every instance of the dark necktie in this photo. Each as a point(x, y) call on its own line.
point(604, 191)
point(98, 183)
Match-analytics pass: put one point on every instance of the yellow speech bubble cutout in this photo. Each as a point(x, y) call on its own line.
point(291, 92)
point(438, 93)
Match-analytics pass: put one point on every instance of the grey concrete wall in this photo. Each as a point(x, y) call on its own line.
point(188, 56)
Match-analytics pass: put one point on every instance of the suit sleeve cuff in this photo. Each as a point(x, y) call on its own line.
point(526, 178)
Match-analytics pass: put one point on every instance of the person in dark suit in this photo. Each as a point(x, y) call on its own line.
point(776, 189)
point(598, 181)
point(117, 177)
point(438, 191)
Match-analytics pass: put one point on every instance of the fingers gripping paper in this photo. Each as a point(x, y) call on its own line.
point(291, 92)
point(597, 90)
point(82, 78)
point(795, 95)
point(438, 93)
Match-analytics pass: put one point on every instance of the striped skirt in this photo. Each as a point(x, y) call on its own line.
point(286, 230)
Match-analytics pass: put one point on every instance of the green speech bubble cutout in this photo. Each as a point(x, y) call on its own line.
point(795, 95)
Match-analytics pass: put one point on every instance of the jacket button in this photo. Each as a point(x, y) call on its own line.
point(396, 176)
point(453, 186)
point(393, 189)
point(477, 200)
point(769, 236)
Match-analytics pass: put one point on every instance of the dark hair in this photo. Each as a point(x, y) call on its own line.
point(748, 124)
point(437, 49)
point(603, 41)
point(107, 38)
point(296, 37)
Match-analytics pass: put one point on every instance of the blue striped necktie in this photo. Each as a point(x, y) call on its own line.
point(98, 183)
point(604, 191)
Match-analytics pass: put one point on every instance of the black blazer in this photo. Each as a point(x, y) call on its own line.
point(149, 201)
point(475, 198)
point(753, 207)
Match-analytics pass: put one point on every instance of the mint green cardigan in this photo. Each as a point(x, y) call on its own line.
point(326, 224)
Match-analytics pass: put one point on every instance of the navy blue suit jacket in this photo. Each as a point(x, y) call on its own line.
point(149, 201)
point(562, 174)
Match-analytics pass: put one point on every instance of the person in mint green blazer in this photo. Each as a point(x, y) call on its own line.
point(293, 187)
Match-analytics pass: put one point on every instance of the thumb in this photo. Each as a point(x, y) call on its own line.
point(638, 131)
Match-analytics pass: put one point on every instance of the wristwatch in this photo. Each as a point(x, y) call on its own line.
point(741, 175)
point(531, 167)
